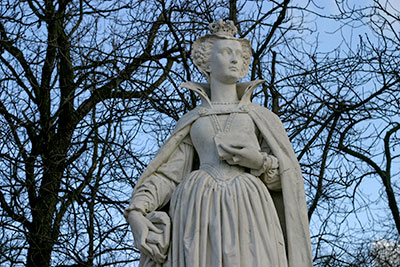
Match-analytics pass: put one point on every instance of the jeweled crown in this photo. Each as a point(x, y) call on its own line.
point(223, 29)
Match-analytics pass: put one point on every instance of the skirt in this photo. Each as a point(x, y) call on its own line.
point(224, 222)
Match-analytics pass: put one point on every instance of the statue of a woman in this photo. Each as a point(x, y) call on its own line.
point(243, 202)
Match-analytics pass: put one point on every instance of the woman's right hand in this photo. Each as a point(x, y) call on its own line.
point(141, 226)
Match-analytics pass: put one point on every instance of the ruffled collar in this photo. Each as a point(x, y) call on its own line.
point(244, 91)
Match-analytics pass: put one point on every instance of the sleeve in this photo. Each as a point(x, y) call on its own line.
point(269, 171)
point(155, 192)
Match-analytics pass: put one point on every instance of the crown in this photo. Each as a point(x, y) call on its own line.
point(223, 29)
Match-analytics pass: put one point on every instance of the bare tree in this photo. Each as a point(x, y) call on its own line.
point(341, 108)
point(68, 114)
point(90, 89)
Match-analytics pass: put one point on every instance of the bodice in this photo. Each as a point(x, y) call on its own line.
point(221, 120)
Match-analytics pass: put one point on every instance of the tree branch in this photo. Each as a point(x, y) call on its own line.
point(18, 55)
point(319, 189)
point(17, 217)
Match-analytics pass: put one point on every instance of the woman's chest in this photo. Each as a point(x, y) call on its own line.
point(205, 128)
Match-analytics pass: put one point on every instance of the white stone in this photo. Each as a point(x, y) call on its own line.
point(229, 211)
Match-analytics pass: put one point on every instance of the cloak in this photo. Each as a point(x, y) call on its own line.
point(290, 202)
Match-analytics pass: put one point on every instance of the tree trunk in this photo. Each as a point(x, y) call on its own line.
point(44, 232)
point(39, 252)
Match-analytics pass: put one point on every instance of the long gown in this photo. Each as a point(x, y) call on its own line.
point(221, 214)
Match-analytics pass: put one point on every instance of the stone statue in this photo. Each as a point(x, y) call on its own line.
point(229, 174)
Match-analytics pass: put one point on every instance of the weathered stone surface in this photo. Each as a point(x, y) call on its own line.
point(245, 204)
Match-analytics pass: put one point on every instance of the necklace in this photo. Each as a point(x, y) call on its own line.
point(225, 103)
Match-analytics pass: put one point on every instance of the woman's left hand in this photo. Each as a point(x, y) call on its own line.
point(245, 156)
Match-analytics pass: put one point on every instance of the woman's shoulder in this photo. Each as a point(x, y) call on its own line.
point(188, 118)
point(262, 110)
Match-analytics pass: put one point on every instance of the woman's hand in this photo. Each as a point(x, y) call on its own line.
point(245, 155)
point(141, 227)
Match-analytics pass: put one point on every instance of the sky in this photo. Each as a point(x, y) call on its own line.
point(330, 34)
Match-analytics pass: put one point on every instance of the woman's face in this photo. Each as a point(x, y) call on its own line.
point(226, 61)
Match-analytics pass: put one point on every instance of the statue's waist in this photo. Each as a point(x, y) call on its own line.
point(222, 172)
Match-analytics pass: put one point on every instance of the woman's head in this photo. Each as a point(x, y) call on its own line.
point(202, 47)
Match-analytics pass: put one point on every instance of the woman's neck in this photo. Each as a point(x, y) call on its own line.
point(221, 92)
